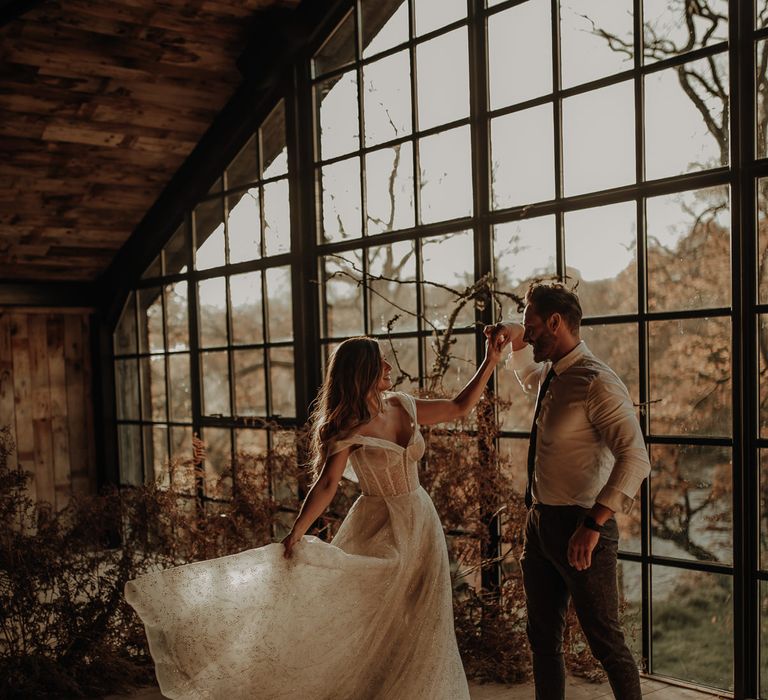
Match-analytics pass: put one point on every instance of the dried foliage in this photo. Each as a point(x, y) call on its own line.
point(65, 629)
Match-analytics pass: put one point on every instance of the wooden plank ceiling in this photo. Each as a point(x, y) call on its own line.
point(100, 103)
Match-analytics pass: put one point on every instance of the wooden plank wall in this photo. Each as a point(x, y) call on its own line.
point(46, 399)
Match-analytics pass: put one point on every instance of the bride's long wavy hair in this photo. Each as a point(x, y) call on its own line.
point(343, 404)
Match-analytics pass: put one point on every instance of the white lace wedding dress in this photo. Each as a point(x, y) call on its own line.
point(366, 617)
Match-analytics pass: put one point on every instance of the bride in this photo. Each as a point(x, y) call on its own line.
point(368, 616)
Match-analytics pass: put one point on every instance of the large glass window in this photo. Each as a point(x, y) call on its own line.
point(232, 383)
point(442, 141)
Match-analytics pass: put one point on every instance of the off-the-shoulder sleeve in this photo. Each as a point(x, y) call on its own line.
point(336, 447)
point(409, 403)
point(339, 445)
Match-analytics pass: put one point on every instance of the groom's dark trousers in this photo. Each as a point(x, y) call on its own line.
point(550, 580)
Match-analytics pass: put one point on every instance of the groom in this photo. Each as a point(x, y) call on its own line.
point(586, 461)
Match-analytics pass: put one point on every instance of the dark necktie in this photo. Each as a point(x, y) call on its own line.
point(532, 444)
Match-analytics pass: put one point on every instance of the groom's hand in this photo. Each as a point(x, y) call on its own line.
point(580, 547)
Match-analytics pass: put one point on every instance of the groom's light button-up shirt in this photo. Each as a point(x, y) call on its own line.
point(589, 446)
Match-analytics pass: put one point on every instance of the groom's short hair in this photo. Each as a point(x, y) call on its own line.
point(555, 297)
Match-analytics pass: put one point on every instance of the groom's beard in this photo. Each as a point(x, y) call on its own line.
point(543, 347)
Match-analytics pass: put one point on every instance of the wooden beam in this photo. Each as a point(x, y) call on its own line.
point(13, 9)
point(48, 294)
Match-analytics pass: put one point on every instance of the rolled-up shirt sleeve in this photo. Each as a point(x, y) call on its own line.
point(528, 372)
point(610, 411)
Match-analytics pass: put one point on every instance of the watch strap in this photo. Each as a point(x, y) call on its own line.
point(592, 524)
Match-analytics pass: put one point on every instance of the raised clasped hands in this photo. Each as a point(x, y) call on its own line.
point(494, 343)
point(500, 335)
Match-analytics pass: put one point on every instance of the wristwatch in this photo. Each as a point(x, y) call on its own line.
point(592, 524)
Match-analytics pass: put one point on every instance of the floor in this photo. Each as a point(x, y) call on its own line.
point(577, 690)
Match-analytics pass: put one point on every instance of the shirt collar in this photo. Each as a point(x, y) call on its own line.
point(581, 350)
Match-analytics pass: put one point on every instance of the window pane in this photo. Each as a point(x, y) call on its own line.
point(442, 67)
point(250, 399)
point(433, 14)
point(247, 320)
point(513, 462)
point(762, 240)
point(616, 344)
point(607, 282)
point(215, 383)
point(446, 169)
point(464, 558)
point(690, 372)
point(688, 608)
point(279, 304)
point(209, 234)
point(182, 471)
point(176, 252)
point(689, 250)
point(218, 462)
point(764, 619)
point(154, 269)
point(761, 83)
point(343, 308)
point(153, 388)
point(277, 218)
point(762, 13)
point(339, 48)
point(448, 261)
point(129, 445)
point(337, 101)
point(683, 136)
point(150, 320)
point(524, 251)
point(461, 365)
point(282, 382)
point(393, 295)
point(520, 53)
point(250, 452)
point(125, 332)
point(244, 225)
point(341, 200)
point(145, 380)
point(673, 28)
point(403, 355)
point(586, 53)
point(630, 577)
point(385, 25)
point(156, 454)
point(518, 415)
point(599, 139)
point(179, 386)
point(127, 385)
point(177, 325)
point(691, 493)
point(274, 151)
point(762, 340)
point(389, 189)
point(213, 312)
point(284, 482)
point(245, 166)
point(516, 178)
point(763, 503)
point(387, 98)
